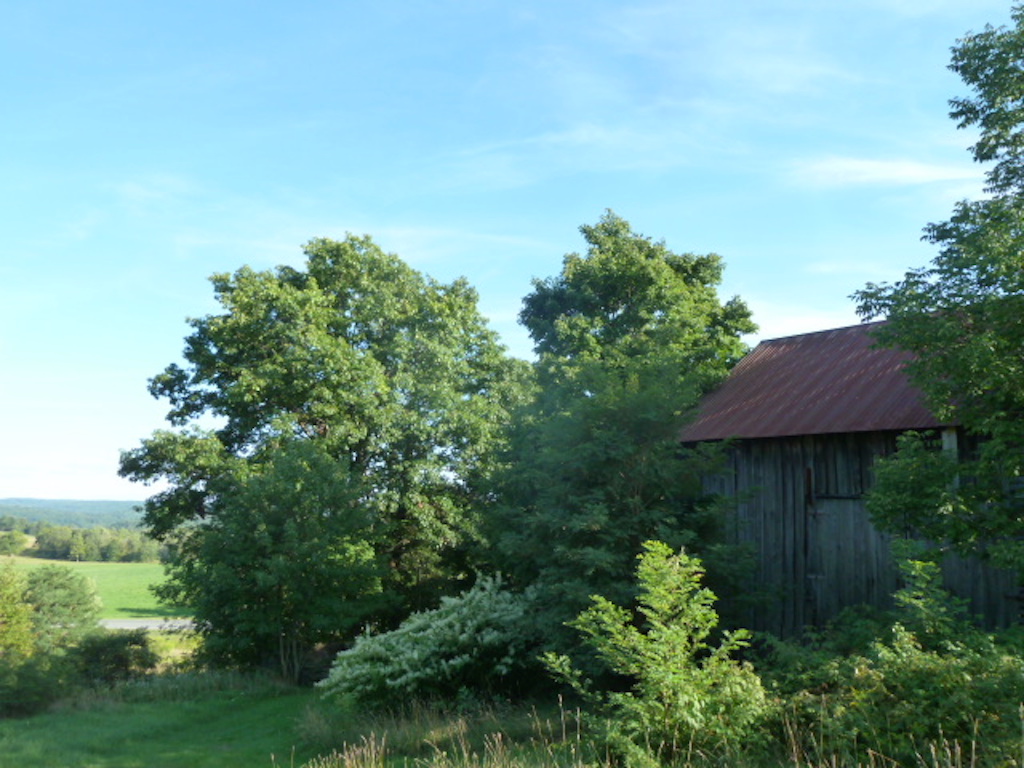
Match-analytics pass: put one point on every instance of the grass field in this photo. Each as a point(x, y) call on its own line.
point(229, 720)
point(229, 729)
point(123, 587)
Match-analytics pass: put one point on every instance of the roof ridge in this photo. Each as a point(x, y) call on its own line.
point(855, 327)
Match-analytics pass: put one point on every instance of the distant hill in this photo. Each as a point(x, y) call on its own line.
point(79, 513)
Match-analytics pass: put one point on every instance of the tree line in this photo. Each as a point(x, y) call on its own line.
point(65, 542)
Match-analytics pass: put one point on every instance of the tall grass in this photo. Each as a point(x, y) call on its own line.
point(424, 736)
point(436, 735)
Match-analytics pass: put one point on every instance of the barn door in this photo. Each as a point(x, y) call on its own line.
point(848, 561)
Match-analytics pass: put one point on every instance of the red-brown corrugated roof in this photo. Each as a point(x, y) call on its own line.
point(816, 383)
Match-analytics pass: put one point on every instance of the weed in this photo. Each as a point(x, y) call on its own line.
point(369, 752)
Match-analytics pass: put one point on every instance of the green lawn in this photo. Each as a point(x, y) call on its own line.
point(228, 730)
point(238, 722)
point(123, 587)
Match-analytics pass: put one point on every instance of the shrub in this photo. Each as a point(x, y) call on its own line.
point(109, 657)
point(935, 617)
point(473, 642)
point(901, 697)
point(685, 694)
point(935, 679)
point(31, 684)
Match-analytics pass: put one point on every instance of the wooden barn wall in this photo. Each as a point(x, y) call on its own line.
point(800, 506)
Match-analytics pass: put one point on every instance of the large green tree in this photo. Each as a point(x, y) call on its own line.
point(961, 316)
point(393, 375)
point(628, 336)
point(286, 563)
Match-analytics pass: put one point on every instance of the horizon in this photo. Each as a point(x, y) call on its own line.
point(11, 499)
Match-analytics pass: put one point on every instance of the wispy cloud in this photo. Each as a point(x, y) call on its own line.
point(620, 145)
point(153, 187)
point(838, 171)
point(917, 8)
point(764, 54)
point(433, 244)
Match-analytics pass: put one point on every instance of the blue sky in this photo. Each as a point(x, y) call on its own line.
point(148, 145)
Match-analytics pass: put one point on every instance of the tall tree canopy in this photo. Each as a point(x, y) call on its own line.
point(962, 314)
point(630, 297)
point(628, 336)
point(392, 375)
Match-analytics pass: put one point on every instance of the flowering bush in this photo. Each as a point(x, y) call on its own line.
point(473, 642)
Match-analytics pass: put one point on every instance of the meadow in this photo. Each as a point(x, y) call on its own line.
point(225, 720)
point(124, 588)
point(217, 720)
point(235, 727)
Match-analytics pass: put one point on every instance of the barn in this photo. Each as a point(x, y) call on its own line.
point(806, 416)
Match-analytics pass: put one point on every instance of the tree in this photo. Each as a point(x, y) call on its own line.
point(13, 542)
point(628, 336)
point(286, 563)
point(633, 300)
point(54, 542)
point(65, 607)
point(393, 375)
point(43, 615)
point(961, 316)
point(16, 638)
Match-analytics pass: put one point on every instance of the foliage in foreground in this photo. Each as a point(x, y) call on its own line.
point(446, 734)
point(39, 657)
point(869, 692)
point(213, 718)
point(930, 678)
point(686, 694)
point(32, 683)
point(471, 644)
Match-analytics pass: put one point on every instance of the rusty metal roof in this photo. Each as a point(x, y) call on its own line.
point(815, 383)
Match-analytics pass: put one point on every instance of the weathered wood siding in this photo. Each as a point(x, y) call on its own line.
point(800, 505)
